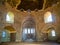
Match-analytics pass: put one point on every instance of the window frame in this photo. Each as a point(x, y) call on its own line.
point(10, 16)
point(48, 17)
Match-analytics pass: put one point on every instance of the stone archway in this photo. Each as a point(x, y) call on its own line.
point(45, 31)
point(10, 34)
point(50, 33)
point(29, 29)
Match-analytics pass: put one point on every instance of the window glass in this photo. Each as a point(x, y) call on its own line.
point(53, 33)
point(48, 17)
point(10, 17)
point(32, 30)
point(3, 34)
point(29, 30)
point(25, 30)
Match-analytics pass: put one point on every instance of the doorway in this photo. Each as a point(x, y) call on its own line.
point(29, 34)
point(29, 30)
point(8, 34)
point(12, 37)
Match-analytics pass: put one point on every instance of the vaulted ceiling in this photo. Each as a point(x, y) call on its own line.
point(30, 4)
point(49, 3)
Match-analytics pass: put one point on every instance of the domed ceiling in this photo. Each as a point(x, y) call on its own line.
point(30, 4)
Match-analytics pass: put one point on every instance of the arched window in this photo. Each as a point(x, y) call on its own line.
point(10, 17)
point(48, 17)
point(53, 33)
point(3, 34)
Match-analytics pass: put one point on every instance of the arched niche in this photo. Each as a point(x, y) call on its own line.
point(52, 34)
point(8, 34)
point(29, 29)
point(5, 36)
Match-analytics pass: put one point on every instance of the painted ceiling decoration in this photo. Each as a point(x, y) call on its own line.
point(49, 3)
point(14, 3)
point(30, 4)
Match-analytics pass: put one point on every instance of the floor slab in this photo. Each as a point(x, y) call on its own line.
point(30, 43)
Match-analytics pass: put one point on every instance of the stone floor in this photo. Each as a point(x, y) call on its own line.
point(30, 43)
